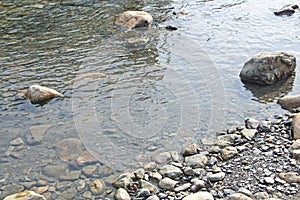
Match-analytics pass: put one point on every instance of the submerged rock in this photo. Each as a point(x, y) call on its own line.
point(287, 10)
point(40, 94)
point(133, 19)
point(268, 67)
point(26, 195)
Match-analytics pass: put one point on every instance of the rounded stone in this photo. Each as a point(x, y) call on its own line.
point(170, 171)
point(229, 152)
point(167, 183)
point(122, 194)
point(216, 177)
point(26, 195)
point(196, 161)
point(97, 186)
point(133, 19)
point(199, 196)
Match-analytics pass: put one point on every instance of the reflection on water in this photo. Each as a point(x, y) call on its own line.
point(130, 94)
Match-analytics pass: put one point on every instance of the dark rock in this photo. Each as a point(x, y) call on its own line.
point(287, 10)
point(268, 67)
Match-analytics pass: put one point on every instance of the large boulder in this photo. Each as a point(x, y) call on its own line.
point(133, 19)
point(40, 94)
point(268, 67)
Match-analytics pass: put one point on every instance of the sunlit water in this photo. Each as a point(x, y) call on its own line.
point(131, 94)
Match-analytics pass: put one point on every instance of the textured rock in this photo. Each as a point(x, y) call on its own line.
point(290, 177)
point(229, 152)
point(39, 94)
point(26, 195)
point(54, 170)
point(69, 148)
point(167, 183)
point(149, 186)
point(122, 194)
point(249, 133)
point(296, 126)
point(97, 186)
point(161, 158)
point(227, 140)
point(251, 123)
point(287, 10)
point(289, 102)
point(170, 171)
point(85, 158)
point(192, 149)
point(133, 19)
point(216, 177)
point(268, 67)
point(196, 161)
point(199, 196)
point(238, 196)
point(36, 134)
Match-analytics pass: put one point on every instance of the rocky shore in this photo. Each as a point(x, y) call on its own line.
point(257, 161)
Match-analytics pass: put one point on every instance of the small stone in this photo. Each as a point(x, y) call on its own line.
point(290, 177)
point(67, 194)
point(143, 193)
point(97, 186)
point(55, 170)
point(199, 196)
point(122, 194)
point(42, 189)
point(63, 185)
point(155, 176)
point(16, 142)
point(269, 180)
point(133, 19)
point(227, 140)
point(296, 154)
point(161, 158)
point(170, 171)
point(150, 166)
point(216, 177)
point(80, 185)
point(123, 181)
point(167, 183)
point(85, 158)
point(36, 134)
point(196, 161)
point(71, 176)
point(296, 127)
point(139, 173)
point(229, 152)
point(87, 195)
point(228, 191)
point(149, 186)
point(154, 197)
point(189, 171)
point(89, 170)
point(265, 126)
point(26, 195)
point(261, 196)
point(248, 133)
point(238, 196)
point(183, 187)
point(208, 141)
point(251, 123)
point(192, 149)
point(40, 94)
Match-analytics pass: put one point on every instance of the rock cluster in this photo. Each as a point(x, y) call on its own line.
point(257, 161)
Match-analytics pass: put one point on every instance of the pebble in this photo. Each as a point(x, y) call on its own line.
point(161, 158)
point(170, 171)
point(17, 142)
point(238, 196)
point(149, 186)
point(97, 186)
point(122, 194)
point(249, 133)
point(26, 195)
point(67, 194)
point(196, 161)
point(251, 123)
point(199, 196)
point(269, 180)
point(216, 177)
point(229, 152)
point(183, 187)
point(190, 150)
point(167, 183)
point(87, 195)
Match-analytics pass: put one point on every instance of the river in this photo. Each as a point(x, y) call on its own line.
point(131, 94)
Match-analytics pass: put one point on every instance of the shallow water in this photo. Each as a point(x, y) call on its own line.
point(129, 95)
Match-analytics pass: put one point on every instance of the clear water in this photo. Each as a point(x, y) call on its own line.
point(131, 94)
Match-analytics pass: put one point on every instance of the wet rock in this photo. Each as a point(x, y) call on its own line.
point(290, 177)
point(55, 170)
point(97, 186)
point(199, 196)
point(170, 171)
point(80, 185)
point(216, 177)
point(87, 195)
point(85, 158)
point(238, 196)
point(190, 150)
point(167, 183)
point(40, 94)
point(251, 123)
point(133, 19)
point(36, 134)
point(289, 102)
point(67, 194)
point(196, 161)
point(88, 171)
point(71, 176)
point(139, 173)
point(227, 140)
point(265, 126)
point(122, 194)
point(296, 126)
point(123, 181)
point(11, 189)
point(149, 186)
point(69, 148)
point(16, 142)
point(63, 185)
point(143, 193)
point(268, 67)
point(287, 10)
point(26, 195)
point(161, 158)
point(150, 166)
point(229, 152)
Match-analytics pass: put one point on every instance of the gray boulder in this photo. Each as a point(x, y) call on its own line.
point(268, 67)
